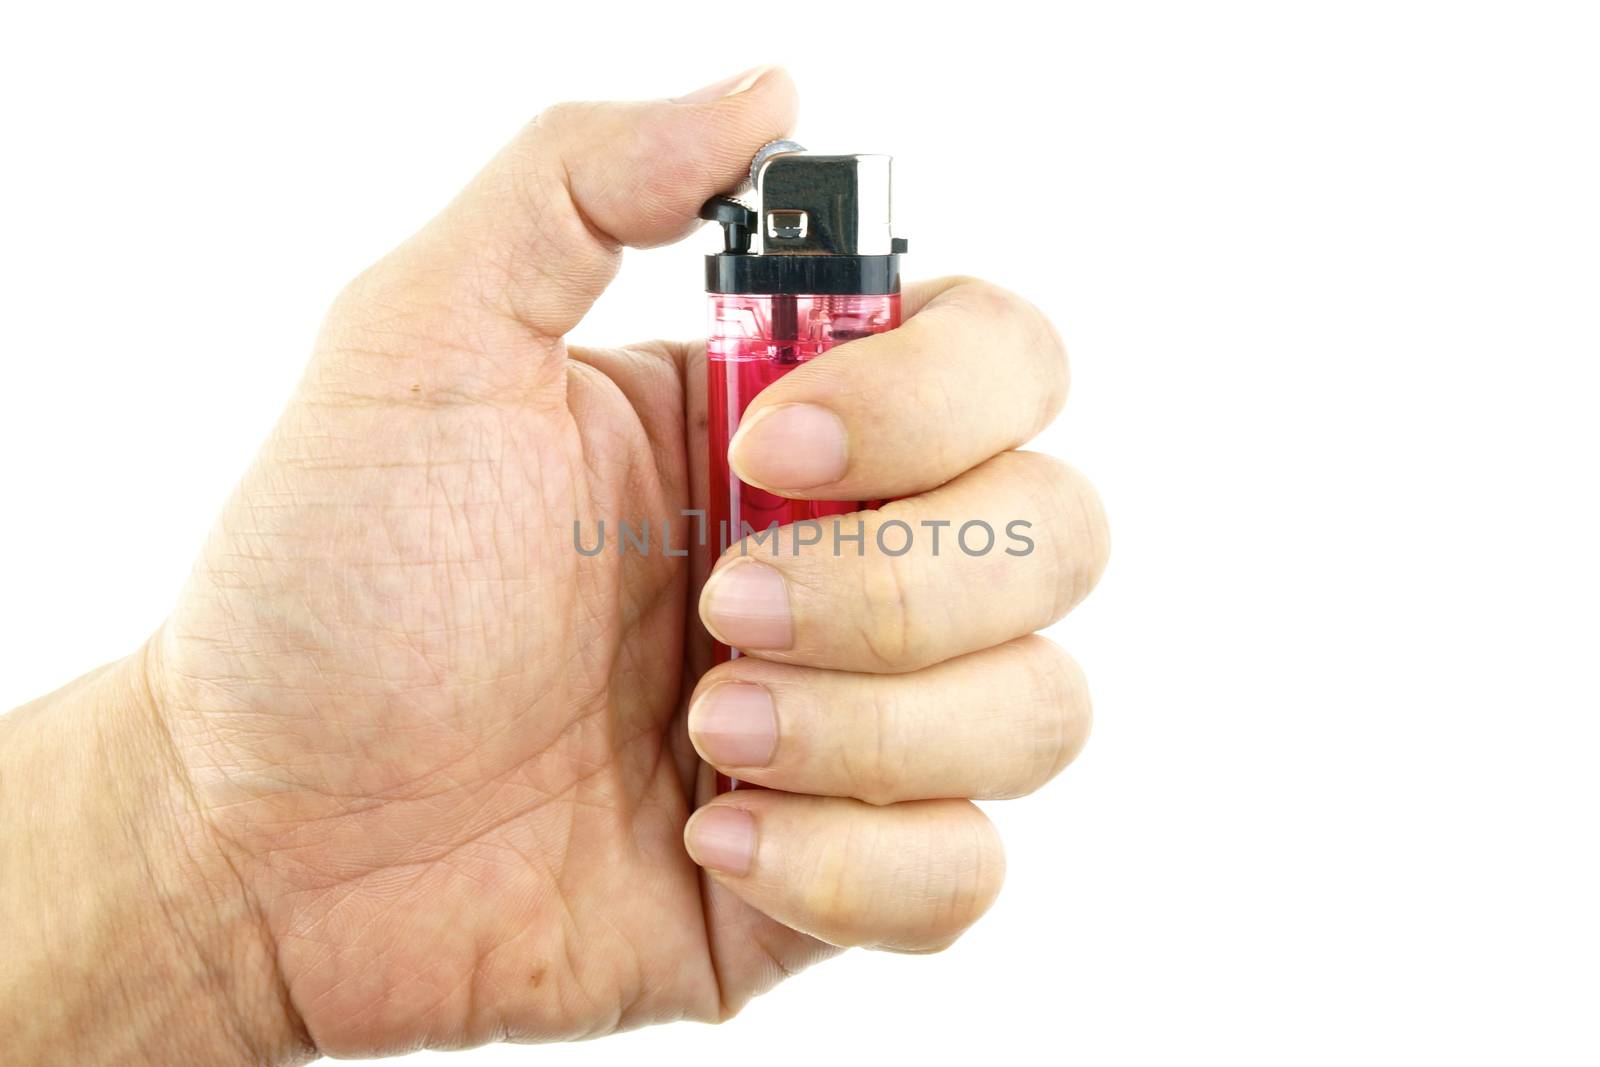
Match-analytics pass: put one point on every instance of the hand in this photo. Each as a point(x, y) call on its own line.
point(443, 763)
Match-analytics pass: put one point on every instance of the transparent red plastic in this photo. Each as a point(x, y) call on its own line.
point(754, 340)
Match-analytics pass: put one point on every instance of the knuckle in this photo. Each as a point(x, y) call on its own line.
point(974, 863)
point(958, 877)
point(951, 285)
point(374, 305)
point(563, 118)
point(1055, 371)
point(357, 291)
point(948, 874)
point(1074, 530)
point(1058, 713)
point(1042, 360)
point(989, 300)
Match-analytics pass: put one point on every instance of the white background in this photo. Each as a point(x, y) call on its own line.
point(1329, 277)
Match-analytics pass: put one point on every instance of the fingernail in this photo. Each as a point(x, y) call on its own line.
point(722, 838)
point(791, 446)
point(735, 725)
point(726, 87)
point(747, 606)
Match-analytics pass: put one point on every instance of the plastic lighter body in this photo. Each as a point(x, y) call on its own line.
point(755, 339)
point(810, 265)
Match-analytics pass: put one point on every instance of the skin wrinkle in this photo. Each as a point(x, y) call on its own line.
point(227, 845)
point(409, 383)
point(887, 628)
point(575, 725)
point(603, 240)
point(558, 879)
point(179, 921)
point(900, 728)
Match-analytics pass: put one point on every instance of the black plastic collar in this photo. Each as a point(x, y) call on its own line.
point(824, 275)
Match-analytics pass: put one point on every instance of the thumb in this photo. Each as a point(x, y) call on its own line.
point(538, 233)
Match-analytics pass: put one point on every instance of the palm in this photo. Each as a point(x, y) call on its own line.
point(446, 748)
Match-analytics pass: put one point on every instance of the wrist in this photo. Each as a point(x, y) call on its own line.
point(134, 940)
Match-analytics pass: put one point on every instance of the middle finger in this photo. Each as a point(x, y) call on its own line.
point(1005, 549)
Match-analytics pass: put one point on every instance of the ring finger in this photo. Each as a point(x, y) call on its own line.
point(989, 725)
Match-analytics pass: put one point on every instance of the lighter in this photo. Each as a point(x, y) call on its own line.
point(811, 265)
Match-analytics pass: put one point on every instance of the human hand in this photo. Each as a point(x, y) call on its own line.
point(448, 761)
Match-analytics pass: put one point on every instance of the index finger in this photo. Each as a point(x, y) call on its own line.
point(973, 372)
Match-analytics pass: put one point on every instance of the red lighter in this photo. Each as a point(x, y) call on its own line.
point(824, 268)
